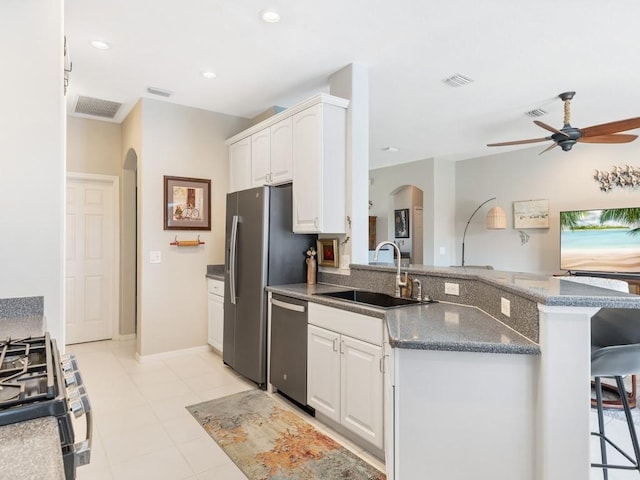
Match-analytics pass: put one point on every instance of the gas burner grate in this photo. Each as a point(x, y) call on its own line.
point(26, 371)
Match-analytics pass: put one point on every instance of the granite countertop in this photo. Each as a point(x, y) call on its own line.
point(216, 272)
point(433, 326)
point(544, 289)
point(31, 449)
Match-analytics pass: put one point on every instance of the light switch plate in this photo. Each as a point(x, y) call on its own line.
point(505, 307)
point(451, 288)
point(155, 257)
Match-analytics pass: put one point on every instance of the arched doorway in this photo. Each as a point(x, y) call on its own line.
point(405, 225)
point(128, 247)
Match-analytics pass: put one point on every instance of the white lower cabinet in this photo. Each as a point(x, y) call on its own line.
point(345, 379)
point(216, 313)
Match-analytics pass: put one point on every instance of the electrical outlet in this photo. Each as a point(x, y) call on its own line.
point(451, 288)
point(155, 257)
point(505, 306)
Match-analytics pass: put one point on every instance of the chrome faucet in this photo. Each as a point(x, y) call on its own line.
point(399, 281)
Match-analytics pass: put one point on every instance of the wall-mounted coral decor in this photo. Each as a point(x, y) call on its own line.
point(626, 176)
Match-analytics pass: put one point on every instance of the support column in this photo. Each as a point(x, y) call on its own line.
point(352, 82)
point(564, 391)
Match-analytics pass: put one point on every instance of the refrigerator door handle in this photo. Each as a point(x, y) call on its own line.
point(232, 259)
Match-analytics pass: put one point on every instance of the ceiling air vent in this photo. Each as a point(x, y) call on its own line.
point(457, 80)
point(97, 107)
point(159, 91)
point(536, 112)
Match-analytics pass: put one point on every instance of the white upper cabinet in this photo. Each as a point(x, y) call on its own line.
point(240, 165)
point(319, 164)
point(271, 154)
point(305, 144)
point(260, 158)
point(282, 151)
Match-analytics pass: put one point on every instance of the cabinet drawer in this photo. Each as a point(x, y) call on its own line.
point(215, 286)
point(356, 325)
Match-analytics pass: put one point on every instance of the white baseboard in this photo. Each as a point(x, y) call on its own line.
point(172, 354)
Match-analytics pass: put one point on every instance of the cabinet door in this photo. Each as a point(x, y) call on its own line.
point(282, 151)
point(240, 165)
point(323, 371)
point(362, 395)
point(216, 321)
point(307, 170)
point(261, 158)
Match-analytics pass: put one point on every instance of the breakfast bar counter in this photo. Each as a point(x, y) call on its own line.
point(492, 381)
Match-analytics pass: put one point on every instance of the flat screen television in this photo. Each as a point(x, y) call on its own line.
point(606, 240)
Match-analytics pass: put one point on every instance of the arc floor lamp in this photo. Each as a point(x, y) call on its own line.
point(496, 220)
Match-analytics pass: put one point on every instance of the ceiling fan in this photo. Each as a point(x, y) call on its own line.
point(567, 136)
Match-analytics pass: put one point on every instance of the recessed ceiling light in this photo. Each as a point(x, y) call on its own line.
point(270, 16)
point(208, 74)
point(100, 44)
point(389, 149)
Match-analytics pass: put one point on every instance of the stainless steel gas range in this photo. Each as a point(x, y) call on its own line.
point(36, 381)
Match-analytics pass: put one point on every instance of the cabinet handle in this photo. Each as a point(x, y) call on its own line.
point(266, 178)
point(335, 347)
point(271, 177)
point(382, 363)
point(315, 222)
point(342, 346)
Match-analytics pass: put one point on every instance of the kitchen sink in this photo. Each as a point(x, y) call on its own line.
point(375, 299)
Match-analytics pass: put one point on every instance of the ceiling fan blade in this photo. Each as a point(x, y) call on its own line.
point(611, 127)
point(619, 138)
point(549, 127)
point(518, 142)
point(553, 145)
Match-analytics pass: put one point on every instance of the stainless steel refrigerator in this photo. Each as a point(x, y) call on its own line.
point(260, 250)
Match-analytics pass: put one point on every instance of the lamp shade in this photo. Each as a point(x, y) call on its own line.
point(496, 219)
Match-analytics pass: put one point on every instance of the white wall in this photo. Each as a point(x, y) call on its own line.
point(94, 146)
point(32, 139)
point(564, 178)
point(185, 142)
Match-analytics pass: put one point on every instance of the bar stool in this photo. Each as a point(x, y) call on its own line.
point(615, 352)
point(621, 286)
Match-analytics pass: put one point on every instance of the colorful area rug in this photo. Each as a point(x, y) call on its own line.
point(268, 441)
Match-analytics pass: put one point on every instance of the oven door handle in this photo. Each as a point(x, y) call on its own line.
point(82, 450)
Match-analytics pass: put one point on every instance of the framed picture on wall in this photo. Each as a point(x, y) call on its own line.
point(401, 223)
point(531, 214)
point(328, 252)
point(187, 203)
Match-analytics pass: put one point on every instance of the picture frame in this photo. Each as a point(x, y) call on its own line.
point(401, 223)
point(187, 203)
point(328, 253)
point(531, 214)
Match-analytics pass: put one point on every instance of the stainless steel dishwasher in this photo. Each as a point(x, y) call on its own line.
point(289, 347)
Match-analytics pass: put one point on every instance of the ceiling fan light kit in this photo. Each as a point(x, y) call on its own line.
point(568, 136)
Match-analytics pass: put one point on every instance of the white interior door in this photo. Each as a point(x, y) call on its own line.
point(91, 258)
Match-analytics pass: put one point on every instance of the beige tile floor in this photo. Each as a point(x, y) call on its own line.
point(142, 429)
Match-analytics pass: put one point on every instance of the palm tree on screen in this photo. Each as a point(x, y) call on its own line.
point(569, 220)
point(627, 216)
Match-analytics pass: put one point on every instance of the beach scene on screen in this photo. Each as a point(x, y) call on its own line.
point(606, 240)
